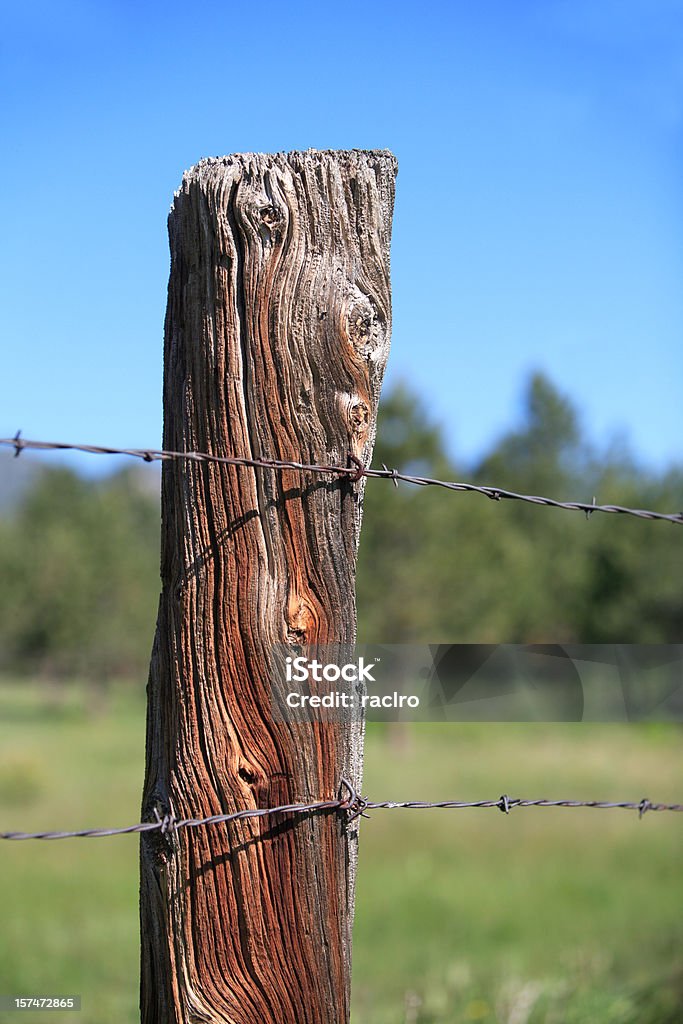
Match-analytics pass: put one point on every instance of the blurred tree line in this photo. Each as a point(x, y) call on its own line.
point(443, 567)
point(79, 559)
point(79, 564)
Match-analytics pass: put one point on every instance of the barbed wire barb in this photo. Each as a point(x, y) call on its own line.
point(355, 472)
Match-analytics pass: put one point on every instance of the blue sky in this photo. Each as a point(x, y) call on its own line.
point(539, 148)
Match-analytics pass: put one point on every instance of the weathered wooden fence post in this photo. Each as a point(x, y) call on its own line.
point(277, 333)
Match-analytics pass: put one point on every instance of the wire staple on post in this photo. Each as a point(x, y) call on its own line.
point(360, 469)
point(354, 803)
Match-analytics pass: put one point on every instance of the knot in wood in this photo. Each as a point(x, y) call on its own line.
point(364, 328)
point(271, 216)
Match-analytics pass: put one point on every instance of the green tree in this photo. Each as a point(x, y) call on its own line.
point(545, 455)
point(546, 451)
point(435, 566)
point(430, 561)
point(79, 564)
point(633, 588)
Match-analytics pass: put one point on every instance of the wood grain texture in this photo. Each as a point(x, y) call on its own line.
point(277, 334)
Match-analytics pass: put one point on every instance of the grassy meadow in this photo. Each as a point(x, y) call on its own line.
point(546, 916)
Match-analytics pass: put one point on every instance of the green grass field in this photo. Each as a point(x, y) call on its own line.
point(548, 915)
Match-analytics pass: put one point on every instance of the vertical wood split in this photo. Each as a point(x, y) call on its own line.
point(277, 334)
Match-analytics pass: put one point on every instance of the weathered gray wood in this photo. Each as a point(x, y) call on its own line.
point(277, 333)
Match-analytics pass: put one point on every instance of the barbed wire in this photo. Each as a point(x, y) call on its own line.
point(350, 801)
point(354, 472)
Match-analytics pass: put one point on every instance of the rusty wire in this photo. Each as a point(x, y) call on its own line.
point(354, 472)
point(350, 801)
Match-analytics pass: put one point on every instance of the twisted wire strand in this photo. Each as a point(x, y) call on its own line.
point(349, 801)
point(354, 472)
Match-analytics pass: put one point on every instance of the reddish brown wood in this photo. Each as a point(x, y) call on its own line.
point(277, 333)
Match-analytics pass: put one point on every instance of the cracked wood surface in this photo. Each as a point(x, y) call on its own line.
point(277, 334)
